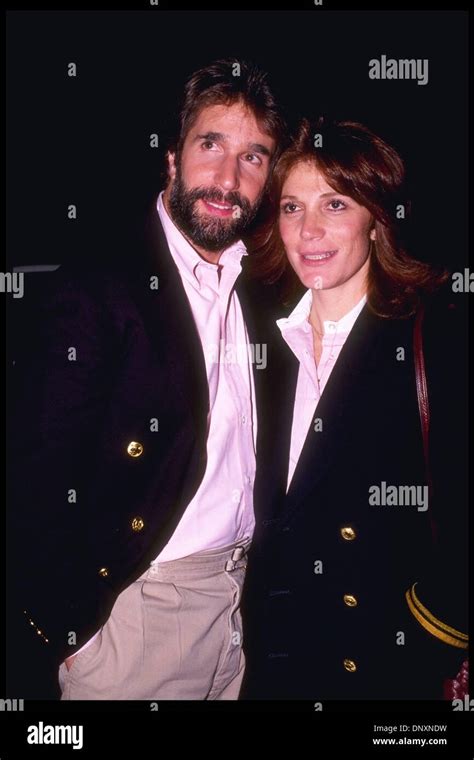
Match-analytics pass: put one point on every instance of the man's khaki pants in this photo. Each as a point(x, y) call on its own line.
point(175, 633)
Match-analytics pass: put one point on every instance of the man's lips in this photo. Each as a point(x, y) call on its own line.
point(217, 208)
point(317, 258)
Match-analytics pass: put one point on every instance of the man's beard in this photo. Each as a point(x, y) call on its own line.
point(205, 231)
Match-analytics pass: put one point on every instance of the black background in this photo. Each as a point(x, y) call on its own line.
point(85, 140)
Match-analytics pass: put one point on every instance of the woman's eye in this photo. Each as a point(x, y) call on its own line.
point(289, 208)
point(337, 205)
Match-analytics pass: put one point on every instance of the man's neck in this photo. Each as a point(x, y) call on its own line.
point(211, 256)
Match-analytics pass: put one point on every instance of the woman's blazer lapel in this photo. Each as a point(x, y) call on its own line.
point(358, 357)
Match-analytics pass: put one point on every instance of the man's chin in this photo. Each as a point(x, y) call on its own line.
point(212, 237)
point(209, 219)
point(213, 246)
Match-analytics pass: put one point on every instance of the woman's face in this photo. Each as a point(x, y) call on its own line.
point(326, 234)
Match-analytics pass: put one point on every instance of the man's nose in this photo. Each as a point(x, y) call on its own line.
point(227, 173)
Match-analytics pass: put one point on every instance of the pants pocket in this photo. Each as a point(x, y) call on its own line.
point(81, 658)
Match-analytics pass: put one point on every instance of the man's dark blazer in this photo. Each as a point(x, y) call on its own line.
point(325, 613)
point(86, 515)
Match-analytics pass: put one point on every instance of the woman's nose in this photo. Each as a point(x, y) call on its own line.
point(312, 228)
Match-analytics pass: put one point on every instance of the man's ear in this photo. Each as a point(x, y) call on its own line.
point(170, 158)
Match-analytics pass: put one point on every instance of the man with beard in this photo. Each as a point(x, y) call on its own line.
point(134, 437)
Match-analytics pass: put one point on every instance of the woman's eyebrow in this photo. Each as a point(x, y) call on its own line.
point(323, 195)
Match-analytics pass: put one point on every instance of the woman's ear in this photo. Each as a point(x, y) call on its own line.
point(373, 233)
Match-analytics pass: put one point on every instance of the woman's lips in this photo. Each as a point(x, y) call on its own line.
point(217, 209)
point(317, 258)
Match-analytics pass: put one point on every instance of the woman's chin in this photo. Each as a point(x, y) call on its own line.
point(313, 281)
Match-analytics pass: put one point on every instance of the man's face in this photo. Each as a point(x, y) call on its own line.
point(216, 188)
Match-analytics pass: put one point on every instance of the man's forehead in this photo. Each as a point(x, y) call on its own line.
point(233, 121)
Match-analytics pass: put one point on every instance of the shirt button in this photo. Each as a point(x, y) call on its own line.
point(331, 326)
point(243, 419)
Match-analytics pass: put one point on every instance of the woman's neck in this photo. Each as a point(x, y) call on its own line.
point(332, 305)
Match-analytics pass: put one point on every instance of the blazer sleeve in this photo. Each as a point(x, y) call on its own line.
point(439, 599)
point(60, 364)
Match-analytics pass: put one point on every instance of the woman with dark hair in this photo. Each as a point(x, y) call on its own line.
point(356, 583)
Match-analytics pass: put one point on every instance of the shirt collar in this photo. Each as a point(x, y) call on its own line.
point(298, 319)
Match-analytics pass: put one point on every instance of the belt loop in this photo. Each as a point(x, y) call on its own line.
point(238, 553)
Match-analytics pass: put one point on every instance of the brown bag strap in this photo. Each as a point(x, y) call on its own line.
point(423, 402)
point(458, 687)
point(421, 384)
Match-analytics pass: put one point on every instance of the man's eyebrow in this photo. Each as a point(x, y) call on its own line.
point(214, 136)
point(259, 148)
point(220, 137)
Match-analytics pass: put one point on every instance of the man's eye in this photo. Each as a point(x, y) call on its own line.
point(207, 144)
point(252, 158)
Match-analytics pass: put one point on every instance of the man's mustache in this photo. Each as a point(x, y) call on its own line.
point(214, 195)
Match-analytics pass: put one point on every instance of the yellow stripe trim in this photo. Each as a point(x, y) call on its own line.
point(434, 620)
point(455, 642)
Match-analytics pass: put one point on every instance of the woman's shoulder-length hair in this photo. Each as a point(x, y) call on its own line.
point(360, 164)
